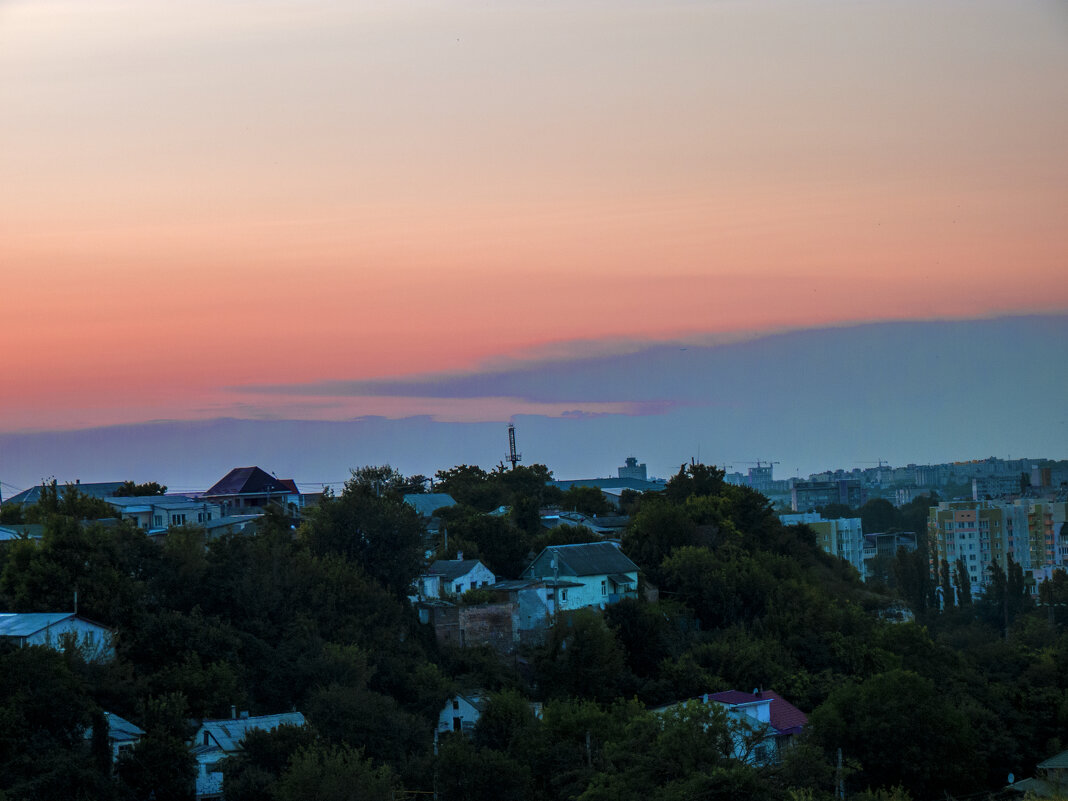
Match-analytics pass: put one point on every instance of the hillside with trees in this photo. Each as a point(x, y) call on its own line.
point(313, 615)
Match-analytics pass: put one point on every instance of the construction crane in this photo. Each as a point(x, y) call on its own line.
point(513, 457)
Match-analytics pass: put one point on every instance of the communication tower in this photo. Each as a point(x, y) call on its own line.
point(513, 457)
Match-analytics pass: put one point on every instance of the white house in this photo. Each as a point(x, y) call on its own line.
point(155, 512)
point(462, 711)
point(122, 734)
point(603, 572)
point(52, 628)
point(216, 740)
point(762, 723)
point(452, 577)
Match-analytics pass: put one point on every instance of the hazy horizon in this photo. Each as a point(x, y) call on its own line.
point(812, 400)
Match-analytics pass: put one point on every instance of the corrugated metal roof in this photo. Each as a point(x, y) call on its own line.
point(23, 624)
point(229, 732)
point(589, 559)
point(453, 568)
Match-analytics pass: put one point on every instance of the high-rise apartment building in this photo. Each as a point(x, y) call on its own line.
point(981, 532)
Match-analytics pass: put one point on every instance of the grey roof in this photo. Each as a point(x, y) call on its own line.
point(596, 523)
point(453, 568)
point(21, 531)
point(608, 521)
point(229, 732)
point(122, 729)
point(611, 483)
point(249, 481)
point(426, 503)
point(229, 520)
point(98, 490)
point(1038, 788)
point(589, 559)
point(24, 624)
point(1055, 762)
point(511, 585)
point(145, 502)
point(477, 698)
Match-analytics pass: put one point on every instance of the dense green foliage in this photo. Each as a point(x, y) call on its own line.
point(314, 617)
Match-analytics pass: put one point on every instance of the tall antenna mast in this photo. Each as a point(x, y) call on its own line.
point(513, 457)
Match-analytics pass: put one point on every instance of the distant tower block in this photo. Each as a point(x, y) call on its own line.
point(632, 470)
point(513, 457)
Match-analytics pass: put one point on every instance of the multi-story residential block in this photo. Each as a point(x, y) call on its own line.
point(842, 537)
point(974, 531)
point(999, 486)
point(980, 532)
point(806, 496)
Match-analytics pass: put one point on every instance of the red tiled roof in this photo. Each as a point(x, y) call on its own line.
point(785, 717)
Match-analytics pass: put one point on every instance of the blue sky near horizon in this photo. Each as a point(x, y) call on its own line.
point(811, 400)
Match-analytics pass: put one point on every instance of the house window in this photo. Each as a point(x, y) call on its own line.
point(203, 517)
point(157, 520)
point(455, 704)
point(604, 587)
point(563, 596)
point(458, 587)
point(177, 520)
point(206, 738)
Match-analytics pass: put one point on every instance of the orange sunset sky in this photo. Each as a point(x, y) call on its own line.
point(202, 196)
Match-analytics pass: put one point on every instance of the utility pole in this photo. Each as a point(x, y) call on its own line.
point(838, 777)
